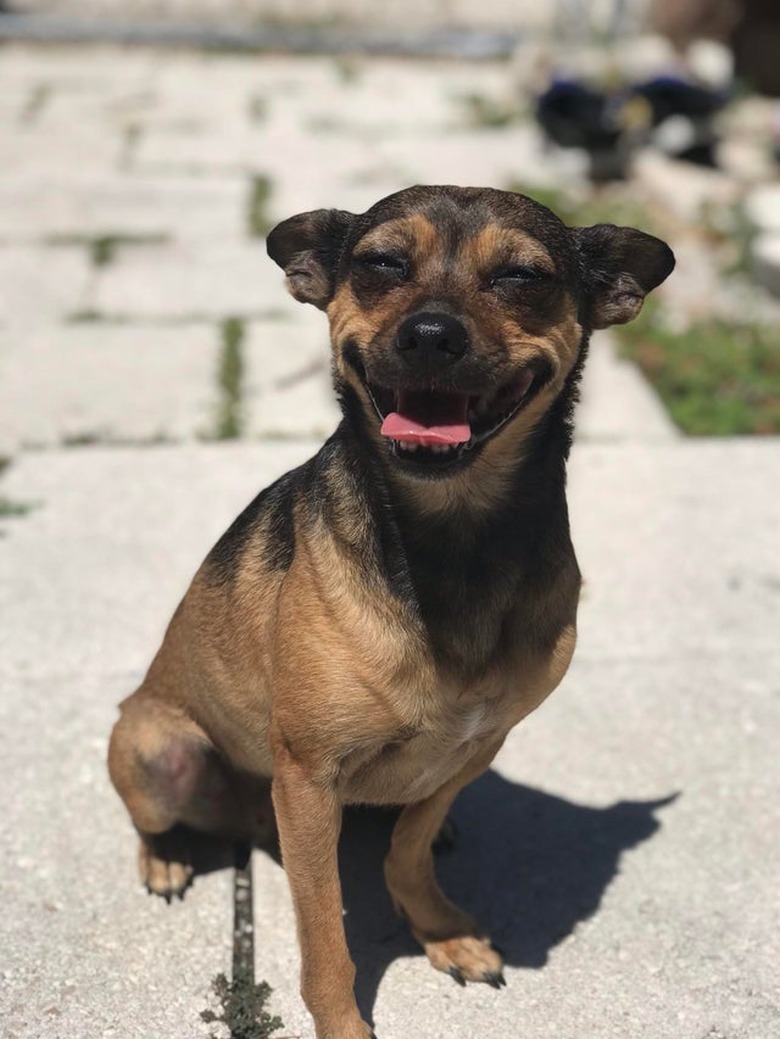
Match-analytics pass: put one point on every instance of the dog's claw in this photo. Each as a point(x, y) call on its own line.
point(496, 979)
point(457, 976)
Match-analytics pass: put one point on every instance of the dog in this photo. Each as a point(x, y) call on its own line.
point(376, 621)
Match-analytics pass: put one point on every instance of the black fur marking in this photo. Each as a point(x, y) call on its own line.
point(273, 507)
point(342, 478)
point(467, 569)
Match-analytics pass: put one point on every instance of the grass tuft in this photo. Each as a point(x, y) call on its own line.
point(231, 377)
point(611, 204)
point(715, 377)
point(13, 508)
point(486, 112)
point(259, 222)
point(258, 108)
point(103, 248)
point(243, 1008)
point(38, 99)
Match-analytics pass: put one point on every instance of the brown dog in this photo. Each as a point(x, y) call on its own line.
point(376, 621)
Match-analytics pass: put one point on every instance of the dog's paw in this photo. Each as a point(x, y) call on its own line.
point(467, 959)
point(161, 874)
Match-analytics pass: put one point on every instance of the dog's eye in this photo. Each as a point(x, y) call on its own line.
point(518, 274)
point(384, 263)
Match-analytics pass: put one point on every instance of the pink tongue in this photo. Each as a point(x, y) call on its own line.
point(427, 418)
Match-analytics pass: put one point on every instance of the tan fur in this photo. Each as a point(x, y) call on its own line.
point(310, 678)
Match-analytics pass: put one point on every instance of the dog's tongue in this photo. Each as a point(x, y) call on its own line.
point(428, 418)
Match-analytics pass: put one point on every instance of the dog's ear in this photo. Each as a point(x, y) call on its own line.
point(308, 247)
point(620, 266)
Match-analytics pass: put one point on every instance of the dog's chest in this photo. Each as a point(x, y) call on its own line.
point(415, 761)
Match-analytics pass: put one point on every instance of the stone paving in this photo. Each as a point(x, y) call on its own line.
point(623, 849)
point(132, 192)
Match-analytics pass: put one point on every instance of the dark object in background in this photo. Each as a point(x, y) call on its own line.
point(573, 115)
point(756, 46)
point(693, 107)
point(750, 27)
point(683, 21)
point(610, 125)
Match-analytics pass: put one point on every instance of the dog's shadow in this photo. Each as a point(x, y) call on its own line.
point(528, 865)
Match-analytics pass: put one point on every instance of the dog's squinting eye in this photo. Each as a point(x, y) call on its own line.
point(383, 263)
point(513, 275)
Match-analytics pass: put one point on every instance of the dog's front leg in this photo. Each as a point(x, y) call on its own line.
point(452, 940)
point(308, 816)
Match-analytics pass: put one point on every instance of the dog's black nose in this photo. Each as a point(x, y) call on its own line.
point(430, 341)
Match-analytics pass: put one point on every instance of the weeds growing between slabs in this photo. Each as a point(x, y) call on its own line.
point(717, 377)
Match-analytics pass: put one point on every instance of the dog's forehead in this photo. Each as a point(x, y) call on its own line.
point(445, 218)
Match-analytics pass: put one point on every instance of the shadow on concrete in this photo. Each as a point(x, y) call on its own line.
point(528, 865)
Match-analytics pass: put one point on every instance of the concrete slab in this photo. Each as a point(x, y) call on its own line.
point(82, 205)
point(288, 385)
point(65, 64)
point(38, 290)
point(187, 281)
point(32, 149)
point(499, 158)
point(622, 912)
point(14, 104)
point(616, 402)
point(86, 951)
point(107, 382)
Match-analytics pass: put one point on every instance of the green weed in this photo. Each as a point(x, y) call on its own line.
point(36, 102)
point(230, 378)
point(103, 248)
point(243, 1008)
point(347, 69)
point(258, 109)
point(13, 508)
point(716, 377)
point(611, 204)
point(258, 221)
point(484, 111)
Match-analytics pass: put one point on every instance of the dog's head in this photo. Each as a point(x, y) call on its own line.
point(458, 314)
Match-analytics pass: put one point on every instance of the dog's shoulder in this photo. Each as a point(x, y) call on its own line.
point(266, 525)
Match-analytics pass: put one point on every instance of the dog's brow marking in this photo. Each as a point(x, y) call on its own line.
point(495, 244)
point(414, 234)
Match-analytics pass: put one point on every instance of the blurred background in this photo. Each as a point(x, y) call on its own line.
point(147, 147)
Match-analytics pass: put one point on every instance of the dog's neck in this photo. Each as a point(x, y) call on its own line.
point(462, 567)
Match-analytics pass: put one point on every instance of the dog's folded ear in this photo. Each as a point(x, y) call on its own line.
point(620, 265)
point(308, 247)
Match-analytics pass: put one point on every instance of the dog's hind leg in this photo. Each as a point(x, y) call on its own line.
point(451, 938)
point(170, 777)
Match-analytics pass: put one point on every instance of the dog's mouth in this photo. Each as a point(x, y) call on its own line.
point(437, 428)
